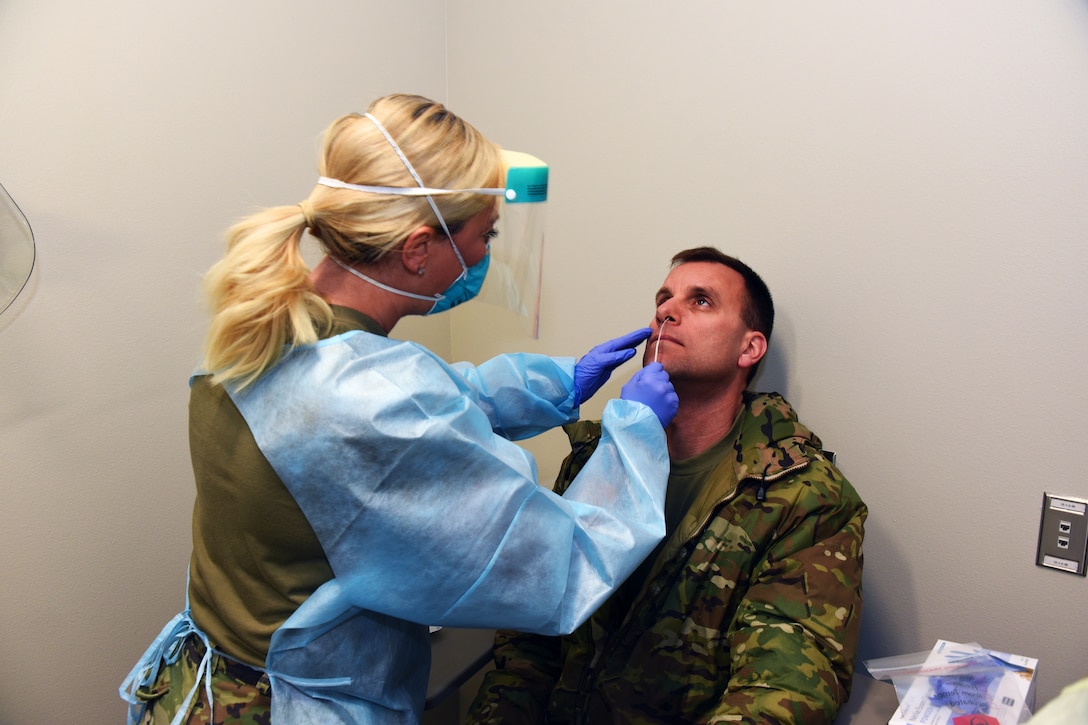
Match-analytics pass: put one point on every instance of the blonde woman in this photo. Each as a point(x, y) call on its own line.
point(352, 488)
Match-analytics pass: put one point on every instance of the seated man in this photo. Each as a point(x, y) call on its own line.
point(749, 610)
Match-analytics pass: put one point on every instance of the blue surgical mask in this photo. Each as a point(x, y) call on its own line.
point(465, 287)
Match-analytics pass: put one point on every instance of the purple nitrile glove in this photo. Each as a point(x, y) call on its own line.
point(594, 368)
point(651, 386)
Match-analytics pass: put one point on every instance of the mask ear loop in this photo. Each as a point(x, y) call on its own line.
point(430, 199)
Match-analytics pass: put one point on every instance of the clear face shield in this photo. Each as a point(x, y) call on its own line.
point(513, 280)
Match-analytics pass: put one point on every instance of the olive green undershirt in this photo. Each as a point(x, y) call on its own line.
point(688, 479)
point(255, 557)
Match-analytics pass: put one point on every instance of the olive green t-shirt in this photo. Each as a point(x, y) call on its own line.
point(255, 557)
point(687, 483)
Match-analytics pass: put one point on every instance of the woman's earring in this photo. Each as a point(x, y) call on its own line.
point(420, 271)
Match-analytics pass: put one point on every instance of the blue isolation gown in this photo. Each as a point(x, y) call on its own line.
point(429, 515)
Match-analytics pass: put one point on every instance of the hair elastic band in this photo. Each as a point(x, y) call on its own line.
point(307, 212)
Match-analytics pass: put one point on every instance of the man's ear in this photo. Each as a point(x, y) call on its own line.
point(416, 247)
point(753, 348)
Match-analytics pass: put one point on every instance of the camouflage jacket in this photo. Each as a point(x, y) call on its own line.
point(749, 613)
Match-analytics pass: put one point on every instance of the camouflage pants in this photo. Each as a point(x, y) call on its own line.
point(240, 694)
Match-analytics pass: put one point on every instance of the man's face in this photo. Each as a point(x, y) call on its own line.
point(704, 337)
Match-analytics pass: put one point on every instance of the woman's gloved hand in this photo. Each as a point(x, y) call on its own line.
point(651, 386)
point(594, 368)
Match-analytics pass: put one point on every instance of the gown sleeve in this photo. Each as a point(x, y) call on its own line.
point(522, 395)
point(427, 512)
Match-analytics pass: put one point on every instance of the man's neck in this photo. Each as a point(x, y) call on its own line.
point(703, 419)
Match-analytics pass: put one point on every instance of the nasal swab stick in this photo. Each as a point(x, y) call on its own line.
point(657, 347)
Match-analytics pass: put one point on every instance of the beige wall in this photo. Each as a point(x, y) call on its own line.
point(909, 177)
point(132, 134)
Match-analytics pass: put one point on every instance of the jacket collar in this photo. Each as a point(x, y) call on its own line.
point(771, 442)
point(768, 443)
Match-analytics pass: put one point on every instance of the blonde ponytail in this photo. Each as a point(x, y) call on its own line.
point(261, 299)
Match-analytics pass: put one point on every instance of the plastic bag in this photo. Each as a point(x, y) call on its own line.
point(958, 684)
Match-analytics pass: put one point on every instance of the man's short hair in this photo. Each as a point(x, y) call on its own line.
point(758, 310)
